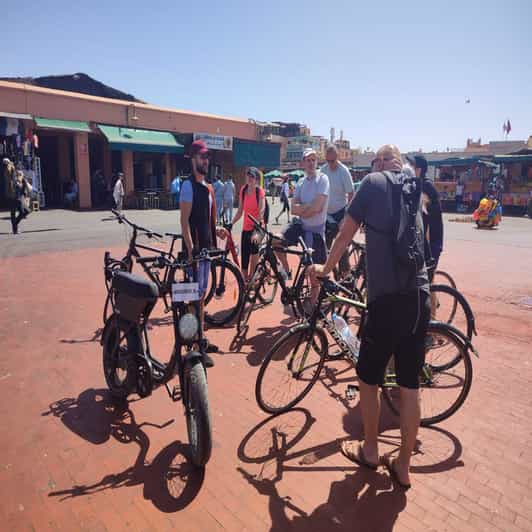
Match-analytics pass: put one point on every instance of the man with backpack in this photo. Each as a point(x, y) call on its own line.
point(251, 200)
point(388, 204)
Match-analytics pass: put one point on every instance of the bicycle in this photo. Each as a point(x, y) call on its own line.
point(298, 357)
point(126, 263)
point(128, 362)
point(226, 285)
point(266, 277)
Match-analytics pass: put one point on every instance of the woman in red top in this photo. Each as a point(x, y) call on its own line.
point(250, 201)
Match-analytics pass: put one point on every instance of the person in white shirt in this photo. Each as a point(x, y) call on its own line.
point(118, 192)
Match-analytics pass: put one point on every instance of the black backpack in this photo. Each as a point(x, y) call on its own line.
point(266, 205)
point(408, 239)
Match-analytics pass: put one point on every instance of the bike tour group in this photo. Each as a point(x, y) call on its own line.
point(375, 299)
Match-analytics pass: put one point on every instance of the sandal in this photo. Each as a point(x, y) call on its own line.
point(358, 456)
point(388, 464)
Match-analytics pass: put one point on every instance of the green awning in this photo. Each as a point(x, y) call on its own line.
point(513, 158)
point(459, 161)
point(124, 138)
point(66, 125)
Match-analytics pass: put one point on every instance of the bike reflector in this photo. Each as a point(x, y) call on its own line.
point(185, 292)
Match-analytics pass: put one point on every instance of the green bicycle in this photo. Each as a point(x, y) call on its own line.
point(294, 363)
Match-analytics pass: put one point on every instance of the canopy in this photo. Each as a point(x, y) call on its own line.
point(296, 173)
point(144, 140)
point(273, 173)
point(19, 116)
point(66, 125)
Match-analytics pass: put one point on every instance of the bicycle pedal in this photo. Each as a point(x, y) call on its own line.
point(176, 393)
point(351, 392)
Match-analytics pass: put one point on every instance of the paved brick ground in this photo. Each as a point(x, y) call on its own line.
point(71, 460)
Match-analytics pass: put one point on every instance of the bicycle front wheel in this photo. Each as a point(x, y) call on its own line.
point(441, 277)
point(224, 293)
point(442, 392)
point(197, 413)
point(268, 287)
point(291, 368)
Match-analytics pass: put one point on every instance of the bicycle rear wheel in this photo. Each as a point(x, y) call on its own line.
point(444, 391)
point(197, 413)
point(224, 296)
point(451, 307)
point(291, 368)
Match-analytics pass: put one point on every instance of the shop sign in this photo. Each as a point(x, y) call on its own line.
point(215, 142)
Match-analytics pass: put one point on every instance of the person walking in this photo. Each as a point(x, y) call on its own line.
point(228, 199)
point(285, 201)
point(251, 201)
point(175, 188)
point(219, 188)
point(340, 194)
point(398, 312)
point(118, 192)
point(18, 193)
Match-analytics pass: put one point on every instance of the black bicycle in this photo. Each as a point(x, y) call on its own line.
point(128, 362)
point(267, 277)
point(294, 363)
point(133, 255)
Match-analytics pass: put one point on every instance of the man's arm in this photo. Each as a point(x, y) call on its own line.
point(306, 211)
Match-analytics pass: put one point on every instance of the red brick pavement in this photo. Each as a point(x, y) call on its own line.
point(70, 460)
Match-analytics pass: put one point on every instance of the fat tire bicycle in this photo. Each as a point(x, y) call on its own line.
point(128, 362)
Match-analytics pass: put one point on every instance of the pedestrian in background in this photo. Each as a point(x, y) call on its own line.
point(19, 191)
point(118, 192)
point(285, 202)
point(228, 199)
point(218, 188)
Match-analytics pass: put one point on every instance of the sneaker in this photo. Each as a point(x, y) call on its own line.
point(212, 348)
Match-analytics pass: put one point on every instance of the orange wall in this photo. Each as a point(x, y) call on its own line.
point(48, 103)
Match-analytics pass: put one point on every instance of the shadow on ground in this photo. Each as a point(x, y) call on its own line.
point(169, 481)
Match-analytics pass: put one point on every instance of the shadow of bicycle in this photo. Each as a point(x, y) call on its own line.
point(170, 481)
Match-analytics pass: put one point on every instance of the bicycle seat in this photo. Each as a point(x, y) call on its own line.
point(135, 286)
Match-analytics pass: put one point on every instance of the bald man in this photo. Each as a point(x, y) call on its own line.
point(397, 301)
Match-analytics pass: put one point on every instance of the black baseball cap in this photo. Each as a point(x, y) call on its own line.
point(418, 161)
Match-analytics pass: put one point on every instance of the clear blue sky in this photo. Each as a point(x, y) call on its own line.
point(383, 73)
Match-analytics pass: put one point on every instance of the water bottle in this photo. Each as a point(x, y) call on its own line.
point(347, 335)
point(282, 271)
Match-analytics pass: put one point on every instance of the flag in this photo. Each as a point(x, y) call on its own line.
point(508, 127)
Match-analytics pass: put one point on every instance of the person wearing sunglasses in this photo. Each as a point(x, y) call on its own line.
point(198, 220)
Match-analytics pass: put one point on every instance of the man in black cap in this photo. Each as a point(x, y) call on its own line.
point(198, 220)
point(432, 214)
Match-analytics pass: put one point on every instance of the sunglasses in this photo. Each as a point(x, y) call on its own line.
point(204, 156)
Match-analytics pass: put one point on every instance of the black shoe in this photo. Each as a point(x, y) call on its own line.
point(212, 348)
point(208, 361)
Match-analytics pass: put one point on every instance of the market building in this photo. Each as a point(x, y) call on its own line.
point(63, 139)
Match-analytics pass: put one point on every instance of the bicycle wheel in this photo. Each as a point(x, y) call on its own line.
point(442, 392)
point(223, 297)
point(119, 351)
point(450, 306)
point(268, 287)
point(248, 304)
point(197, 413)
point(290, 368)
point(302, 305)
point(441, 277)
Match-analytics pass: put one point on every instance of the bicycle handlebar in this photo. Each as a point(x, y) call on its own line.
point(122, 219)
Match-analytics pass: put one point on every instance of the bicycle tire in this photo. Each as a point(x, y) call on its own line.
point(458, 300)
point(268, 281)
point(302, 330)
point(197, 413)
point(445, 275)
point(441, 329)
point(248, 304)
point(120, 388)
point(223, 317)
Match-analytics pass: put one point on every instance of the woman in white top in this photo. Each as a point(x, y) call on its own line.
point(285, 194)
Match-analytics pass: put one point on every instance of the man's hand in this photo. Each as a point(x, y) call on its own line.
point(315, 271)
point(221, 232)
